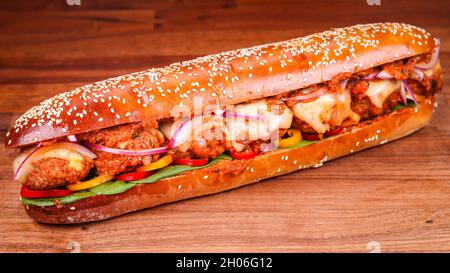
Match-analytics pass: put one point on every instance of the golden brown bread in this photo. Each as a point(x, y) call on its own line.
point(225, 79)
point(206, 181)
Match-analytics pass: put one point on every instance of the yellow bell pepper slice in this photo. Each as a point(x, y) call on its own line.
point(294, 137)
point(161, 163)
point(90, 183)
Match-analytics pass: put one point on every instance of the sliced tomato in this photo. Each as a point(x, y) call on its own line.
point(334, 132)
point(243, 155)
point(133, 176)
point(191, 162)
point(310, 136)
point(27, 193)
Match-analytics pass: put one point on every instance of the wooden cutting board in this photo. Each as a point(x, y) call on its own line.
point(392, 198)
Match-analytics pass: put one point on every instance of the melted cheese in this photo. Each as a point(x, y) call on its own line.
point(253, 129)
point(378, 91)
point(329, 109)
point(75, 159)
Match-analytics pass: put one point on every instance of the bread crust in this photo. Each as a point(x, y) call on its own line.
point(208, 181)
point(223, 79)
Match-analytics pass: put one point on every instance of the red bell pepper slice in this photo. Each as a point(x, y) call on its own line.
point(243, 155)
point(27, 193)
point(310, 136)
point(133, 176)
point(191, 162)
point(334, 132)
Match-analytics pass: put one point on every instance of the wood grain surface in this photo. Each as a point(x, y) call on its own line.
point(392, 198)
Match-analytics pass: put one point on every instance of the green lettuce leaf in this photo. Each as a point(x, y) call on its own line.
point(112, 187)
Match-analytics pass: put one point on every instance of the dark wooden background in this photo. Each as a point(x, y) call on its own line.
point(391, 198)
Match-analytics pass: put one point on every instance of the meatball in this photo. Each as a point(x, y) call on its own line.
point(51, 173)
point(302, 126)
point(132, 136)
point(362, 105)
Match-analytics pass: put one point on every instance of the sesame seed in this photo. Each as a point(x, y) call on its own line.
point(318, 165)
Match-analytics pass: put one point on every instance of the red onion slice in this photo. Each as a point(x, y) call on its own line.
point(434, 58)
point(19, 169)
point(418, 73)
point(315, 94)
point(384, 75)
point(371, 76)
point(403, 94)
point(144, 152)
point(379, 75)
point(411, 93)
point(173, 140)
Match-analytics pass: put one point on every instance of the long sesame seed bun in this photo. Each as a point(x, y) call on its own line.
point(225, 79)
point(209, 180)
